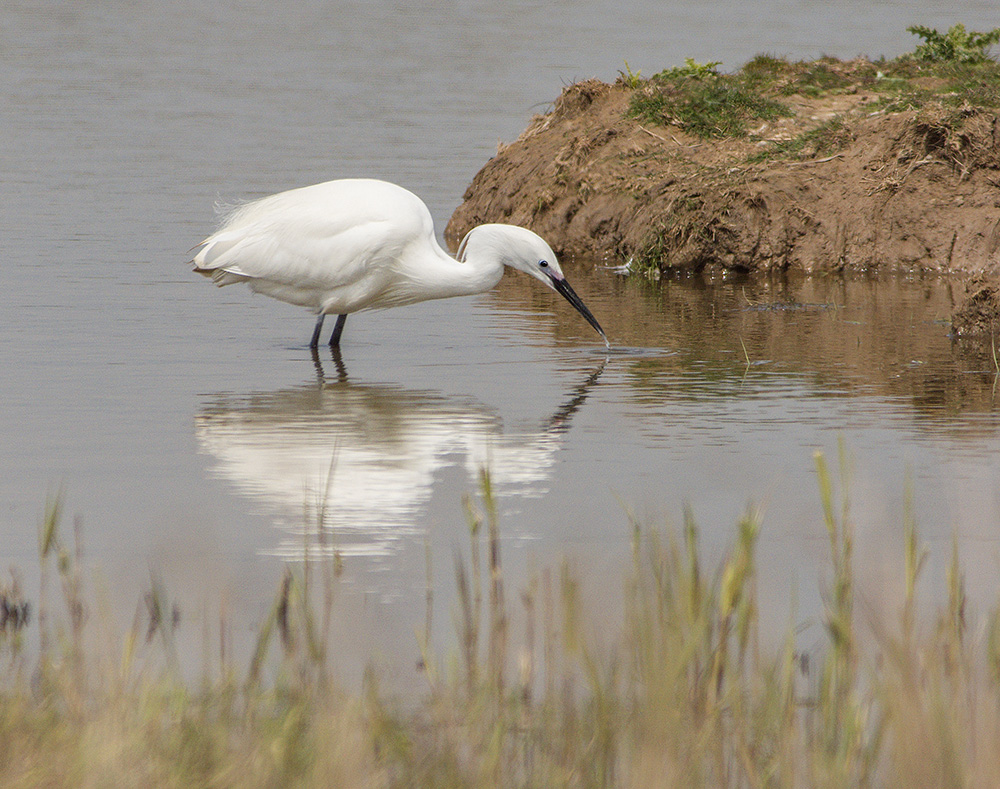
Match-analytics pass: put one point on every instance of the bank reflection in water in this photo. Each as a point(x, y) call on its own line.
point(370, 452)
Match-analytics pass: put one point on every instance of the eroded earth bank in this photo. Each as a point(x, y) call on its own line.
point(841, 165)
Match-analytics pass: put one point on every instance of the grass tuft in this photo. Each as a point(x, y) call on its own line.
point(703, 102)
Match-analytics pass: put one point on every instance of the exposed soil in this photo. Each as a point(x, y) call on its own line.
point(915, 190)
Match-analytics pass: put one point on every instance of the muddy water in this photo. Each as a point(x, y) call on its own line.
point(192, 433)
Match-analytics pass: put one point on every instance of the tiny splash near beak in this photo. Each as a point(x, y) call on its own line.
point(562, 286)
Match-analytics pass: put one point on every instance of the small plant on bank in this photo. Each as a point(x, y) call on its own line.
point(955, 46)
point(691, 69)
point(629, 79)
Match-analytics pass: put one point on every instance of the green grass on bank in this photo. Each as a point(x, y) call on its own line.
point(686, 692)
point(953, 68)
point(700, 100)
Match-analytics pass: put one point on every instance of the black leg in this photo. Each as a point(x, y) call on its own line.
point(314, 342)
point(338, 329)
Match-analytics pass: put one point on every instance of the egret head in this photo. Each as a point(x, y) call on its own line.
point(526, 251)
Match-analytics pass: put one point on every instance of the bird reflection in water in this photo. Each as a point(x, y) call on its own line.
point(362, 458)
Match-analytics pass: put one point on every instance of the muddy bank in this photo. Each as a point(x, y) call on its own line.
point(838, 183)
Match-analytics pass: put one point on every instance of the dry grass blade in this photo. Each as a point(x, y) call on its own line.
point(688, 692)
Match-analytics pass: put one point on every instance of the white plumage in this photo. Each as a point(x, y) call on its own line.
point(357, 244)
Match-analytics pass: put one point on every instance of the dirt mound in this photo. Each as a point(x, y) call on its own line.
point(838, 184)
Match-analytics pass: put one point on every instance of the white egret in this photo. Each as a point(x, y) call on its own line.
point(359, 244)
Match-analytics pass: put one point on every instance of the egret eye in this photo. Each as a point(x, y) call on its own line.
point(543, 264)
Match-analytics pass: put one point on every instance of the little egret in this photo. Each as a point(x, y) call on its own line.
point(360, 244)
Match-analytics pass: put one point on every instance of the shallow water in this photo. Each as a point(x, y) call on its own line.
point(192, 432)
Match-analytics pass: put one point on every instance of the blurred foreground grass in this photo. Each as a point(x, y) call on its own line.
point(688, 696)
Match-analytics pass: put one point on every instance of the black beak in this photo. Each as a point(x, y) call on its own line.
point(562, 286)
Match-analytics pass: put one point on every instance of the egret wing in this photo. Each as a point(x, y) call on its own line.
point(321, 237)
